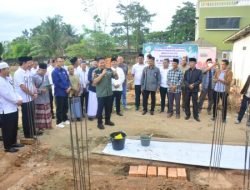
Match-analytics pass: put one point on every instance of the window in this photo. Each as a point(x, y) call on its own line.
point(229, 23)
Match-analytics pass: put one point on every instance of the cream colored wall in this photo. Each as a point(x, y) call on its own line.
point(241, 59)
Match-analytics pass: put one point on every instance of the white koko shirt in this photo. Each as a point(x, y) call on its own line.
point(137, 70)
point(8, 96)
point(164, 77)
point(24, 77)
point(83, 77)
point(120, 80)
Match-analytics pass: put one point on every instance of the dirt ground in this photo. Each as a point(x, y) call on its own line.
point(48, 166)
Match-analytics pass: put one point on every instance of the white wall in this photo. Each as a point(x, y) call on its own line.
point(241, 60)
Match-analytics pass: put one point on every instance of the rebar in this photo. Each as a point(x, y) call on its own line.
point(218, 135)
point(79, 144)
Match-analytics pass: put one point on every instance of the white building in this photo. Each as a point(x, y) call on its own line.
point(240, 54)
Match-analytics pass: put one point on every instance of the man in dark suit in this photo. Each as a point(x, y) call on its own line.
point(245, 102)
point(192, 80)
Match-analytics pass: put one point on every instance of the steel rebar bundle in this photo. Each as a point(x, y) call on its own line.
point(79, 144)
point(218, 137)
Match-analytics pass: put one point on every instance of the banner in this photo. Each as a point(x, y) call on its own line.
point(204, 54)
point(170, 51)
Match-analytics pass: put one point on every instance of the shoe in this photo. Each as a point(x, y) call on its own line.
point(213, 118)
point(100, 126)
point(1, 138)
point(110, 123)
point(17, 146)
point(60, 125)
point(161, 111)
point(197, 119)
point(209, 112)
point(199, 111)
point(11, 150)
point(151, 112)
point(177, 116)
point(66, 122)
point(137, 108)
point(169, 115)
point(119, 114)
point(187, 117)
point(237, 121)
point(144, 112)
point(53, 117)
point(91, 119)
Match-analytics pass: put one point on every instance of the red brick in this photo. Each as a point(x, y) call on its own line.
point(142, 171)
point(182, 174)
point(162, 171)
point(172, 173)
point(152, 171)
point(133, 171)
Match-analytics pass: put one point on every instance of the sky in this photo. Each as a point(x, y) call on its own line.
point(18, 15)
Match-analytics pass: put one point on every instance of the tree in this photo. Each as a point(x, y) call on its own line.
point(93, 43)
point(16, 48)
point(51, 37)
point(182, 27)
point(157, 37)
point(134, 24)
point(1, 49)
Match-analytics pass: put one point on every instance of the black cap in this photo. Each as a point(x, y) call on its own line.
point(209, 59)
point(73, 60)
point(192, 59)
point(100, 58)
point(176, 60)
point(141, 55)
point(42, 66)
point(24, 59)
point(225, 61)
point(149, 56)
point(113, 59)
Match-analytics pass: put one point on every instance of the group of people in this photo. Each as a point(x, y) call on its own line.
point(96, 88)
point(183, 80)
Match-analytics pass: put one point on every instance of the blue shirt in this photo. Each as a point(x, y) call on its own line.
point(61, 81)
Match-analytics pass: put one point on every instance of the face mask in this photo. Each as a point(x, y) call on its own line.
point(210, 64)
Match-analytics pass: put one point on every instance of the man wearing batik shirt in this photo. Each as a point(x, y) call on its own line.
point(174, 81)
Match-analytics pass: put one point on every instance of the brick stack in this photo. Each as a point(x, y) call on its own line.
point(154, 171)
